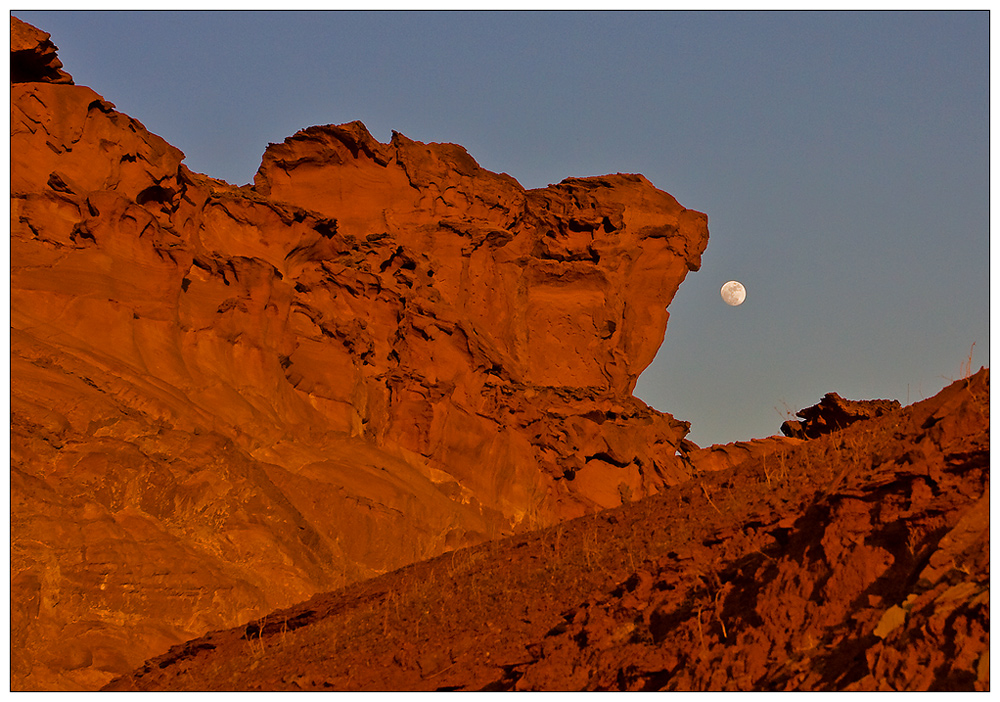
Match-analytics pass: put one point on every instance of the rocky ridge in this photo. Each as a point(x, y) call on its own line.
point(227, 399)
point(858, 560)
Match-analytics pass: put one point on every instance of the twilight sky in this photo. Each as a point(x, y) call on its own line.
point(842, 159)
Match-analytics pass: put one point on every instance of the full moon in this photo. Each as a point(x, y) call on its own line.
point(734, 293)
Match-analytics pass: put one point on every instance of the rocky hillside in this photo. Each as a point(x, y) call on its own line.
point(225, 400)
point(856, 560)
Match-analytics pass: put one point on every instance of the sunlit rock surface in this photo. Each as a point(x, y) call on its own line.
point(226, 399)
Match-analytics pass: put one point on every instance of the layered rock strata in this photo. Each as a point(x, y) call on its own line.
point(225, 399)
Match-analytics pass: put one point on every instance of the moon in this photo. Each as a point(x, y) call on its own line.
point(734, 293)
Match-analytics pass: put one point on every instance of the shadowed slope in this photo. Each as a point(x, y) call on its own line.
point(854, 561)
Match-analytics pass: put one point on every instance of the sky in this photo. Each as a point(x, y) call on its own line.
point(842, 159)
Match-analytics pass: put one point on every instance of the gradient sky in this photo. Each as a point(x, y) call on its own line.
point(842, 159)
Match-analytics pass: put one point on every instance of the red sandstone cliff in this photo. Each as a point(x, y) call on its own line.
point(224, 400)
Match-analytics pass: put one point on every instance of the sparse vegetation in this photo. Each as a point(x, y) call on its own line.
point(663, 592)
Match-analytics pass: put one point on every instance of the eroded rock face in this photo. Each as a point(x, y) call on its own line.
point(522, 318)
point(224, 399)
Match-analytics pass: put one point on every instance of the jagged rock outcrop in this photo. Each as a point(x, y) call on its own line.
point(33, 56)
point(833, 413)
point(224, 400)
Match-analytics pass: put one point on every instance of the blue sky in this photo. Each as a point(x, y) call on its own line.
point(842, 159)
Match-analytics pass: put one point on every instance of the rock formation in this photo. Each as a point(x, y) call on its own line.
point(33, 56)
point(226, 399)
point(833, 413)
